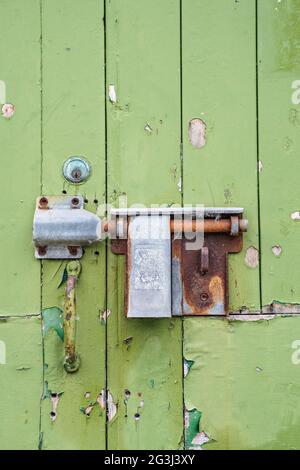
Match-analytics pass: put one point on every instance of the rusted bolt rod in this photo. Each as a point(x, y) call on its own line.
point(208, 225)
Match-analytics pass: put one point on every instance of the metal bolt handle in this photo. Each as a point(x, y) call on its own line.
point(72, 360)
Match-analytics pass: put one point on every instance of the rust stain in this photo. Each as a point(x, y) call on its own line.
point(201, 280)
point(205, 291)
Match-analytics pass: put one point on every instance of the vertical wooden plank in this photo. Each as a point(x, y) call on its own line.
point(21, 382)
point(20, 338)
point(244, 382)
point(20, 155)
point(219, 87)
point(144, 355)
point(279, 139)
point(74, 124)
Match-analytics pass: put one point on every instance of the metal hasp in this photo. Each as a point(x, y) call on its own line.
point(149, 261)
point(61, 227)
point(72, 360)
point(197, 270)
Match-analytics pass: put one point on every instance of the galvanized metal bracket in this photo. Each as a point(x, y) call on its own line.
point(196, 279)
point(61, 227)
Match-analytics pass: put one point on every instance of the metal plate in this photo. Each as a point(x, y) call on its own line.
point(61, 227)
point(196, 292)
point(149, 267)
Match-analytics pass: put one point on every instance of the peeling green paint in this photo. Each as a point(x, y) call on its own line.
point(53, 318)
point(192, 426)
point(246, 381)
point(241, 374)
point(187, 365)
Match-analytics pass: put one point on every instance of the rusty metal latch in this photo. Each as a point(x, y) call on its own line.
point(172, 274)
point(176, 258)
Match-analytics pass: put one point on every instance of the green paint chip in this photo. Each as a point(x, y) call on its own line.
point(192, 424)
point(53, 319)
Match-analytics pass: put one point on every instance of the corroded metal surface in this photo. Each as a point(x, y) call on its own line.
point(62, 226)
point(148, 267)
point(198, 277)
point(72, 360)
point(205, 291)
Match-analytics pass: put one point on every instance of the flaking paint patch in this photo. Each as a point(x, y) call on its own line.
point(187, 365)
point(252, 257)
point(148, 129)
point(100, 402)
point(111, 407)
point(54, 397)
point(251, 317)
point(87, 410)
point(260, 166)
point(52, 319)
point(200, 439)
point(101, 399)
point(197, 131)
point(278, 307)
point(2, 92)
point(112, 94)
point(103, 315)
point(179, 185)
point(8, 110)
point(295, 215)
point(194, 438)
point(277, 250)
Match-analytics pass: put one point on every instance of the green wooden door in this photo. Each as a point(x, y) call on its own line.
point(121, 82)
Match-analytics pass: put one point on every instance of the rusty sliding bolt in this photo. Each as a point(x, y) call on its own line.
point(232, 225)
point(72, 360)
point(210, 225)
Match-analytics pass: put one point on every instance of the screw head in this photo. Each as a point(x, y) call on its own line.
point(204, 296)
point(43, 203)
point(73, 250)
point(76, 170)
point(75, 201)
point(42, 250)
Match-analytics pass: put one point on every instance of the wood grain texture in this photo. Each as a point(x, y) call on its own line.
point(21, 382)
point(219, 167)
point(279, 124)
point(73, 124)
point(219, 87)
point(245, 382)
point(20, 155)
point(144, 356)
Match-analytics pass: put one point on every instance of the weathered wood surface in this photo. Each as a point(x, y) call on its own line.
point(172, 102)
